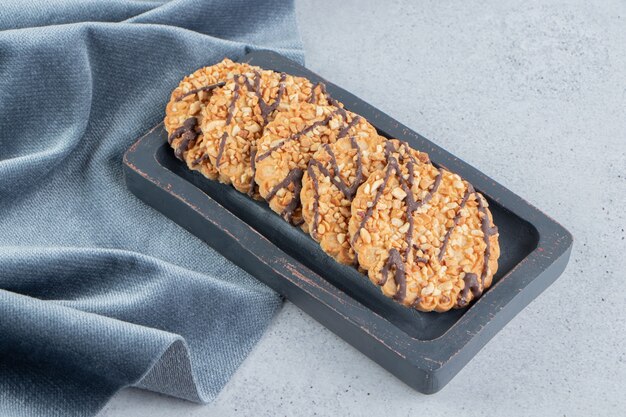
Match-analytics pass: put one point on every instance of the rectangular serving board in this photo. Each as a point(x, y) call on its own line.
point(425, 350)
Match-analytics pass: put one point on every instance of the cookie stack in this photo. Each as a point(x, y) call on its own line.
point(422, 233)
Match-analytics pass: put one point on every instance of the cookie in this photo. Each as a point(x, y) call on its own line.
point(287, 145)
point(183, 113)
point(237, 113)
point(424, 236)
point(332, 178)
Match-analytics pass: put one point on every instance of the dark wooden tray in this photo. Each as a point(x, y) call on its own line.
point(425, 350)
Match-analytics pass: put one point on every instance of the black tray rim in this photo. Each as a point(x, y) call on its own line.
point(432, 362)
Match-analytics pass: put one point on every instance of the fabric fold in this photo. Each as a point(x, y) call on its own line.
point(97, 290)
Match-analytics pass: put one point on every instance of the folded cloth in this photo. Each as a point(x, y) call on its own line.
point(97, 290)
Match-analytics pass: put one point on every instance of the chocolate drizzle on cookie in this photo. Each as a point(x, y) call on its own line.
point(298, 135)
point(293, 177)
point(329, 99)
point(395, 259)
point(394, 255)
point(471, 284)
point(207, 88)
point(402, 151)
point(313, 96)
point(488, 231)
point(200, 159)
point(415, 304)
point(266, 109)
point(471, 280)
point(455, 222)
point(348, 191)
point(416, 258)
point(254, 86)
point(396, 150)
point(188, 132)
point(344, 131)
point(229, 119)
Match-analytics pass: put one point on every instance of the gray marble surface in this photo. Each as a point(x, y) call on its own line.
point(533, 94)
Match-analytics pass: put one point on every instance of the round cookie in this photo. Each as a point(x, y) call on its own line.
point(332, 178)
point(184, 112)
point(287, 145)
point(424, 235)
point(237, 113)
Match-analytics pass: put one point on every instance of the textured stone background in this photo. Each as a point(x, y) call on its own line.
point(534, 95)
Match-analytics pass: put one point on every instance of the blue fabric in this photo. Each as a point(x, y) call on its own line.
point(97, 290)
